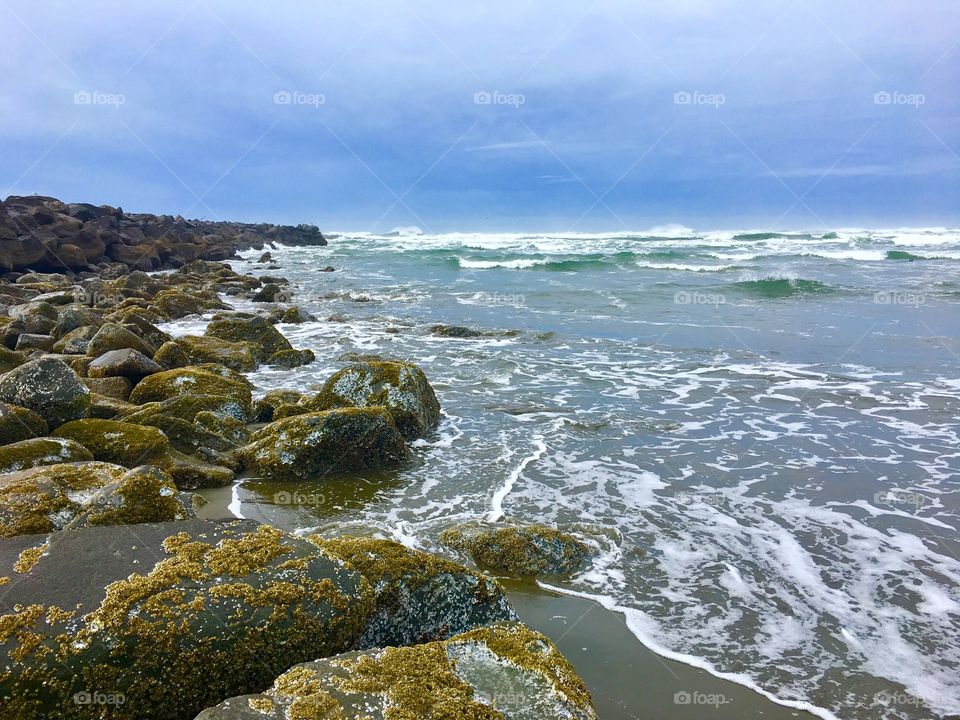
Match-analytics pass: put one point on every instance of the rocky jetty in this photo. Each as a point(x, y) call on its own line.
point(44, 234)
point(119, 603)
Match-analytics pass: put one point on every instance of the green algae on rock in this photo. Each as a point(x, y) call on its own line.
point(35, 452)
point(175, 617)
point(308, 447)
point(192, 381)
point(494, 673)
point(18, 423)
point(239, 356)
point(518, 549)
point(256, 330)
point(419, 597)
point(126, 363)
point(116, 442)
point(290, 359)
point(112, 336)
point(49, 387)
point(400, 387)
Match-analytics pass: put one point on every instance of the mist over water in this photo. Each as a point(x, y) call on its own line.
point(758, 432)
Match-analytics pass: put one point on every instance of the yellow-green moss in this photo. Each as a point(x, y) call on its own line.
point(29, 558)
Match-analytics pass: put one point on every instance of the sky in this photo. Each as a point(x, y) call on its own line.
point(495, 116)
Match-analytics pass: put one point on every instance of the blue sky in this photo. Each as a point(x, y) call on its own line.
point(523, 115)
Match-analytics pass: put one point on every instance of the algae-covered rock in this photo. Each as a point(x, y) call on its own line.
point(144, 494)
point(419, 597)
point(400, 387)
point(192, 422)
point(9, 359)
point(45, 499)
point(121, 443)
point(455, 331)
point(171, 356)
point(112, 336)
point(311, 446)
point(117, 388)
point(18, 423)
point(186, 407)
point(76, 341)
point(41, 451)
point(32, 341)
point(233, 430)
point(519, 549)
point(256, 330)
point(505, 671)
point(240, 356)
point(192, 473)
point(49, 387)
point(290, 359)
point(191, 381)
point(172, 617)
point(126, 363)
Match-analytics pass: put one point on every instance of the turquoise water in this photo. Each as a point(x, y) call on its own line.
point(758, 433)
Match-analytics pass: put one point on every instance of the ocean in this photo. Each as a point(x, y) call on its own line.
point(757, 433)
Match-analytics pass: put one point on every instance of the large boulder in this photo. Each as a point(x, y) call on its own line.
point(518, 549)
point(257, 330)
point(172, 617)
point(49, 387)
point(116, 442)
point(290, 359)
point(126, 363)
point(503, 671)
point(311, 446)
point(112, 336)
point(419, 597)
point(41, 451)
point(204, 379)
point(400, 387)
point(239, 356)
point(17, 423)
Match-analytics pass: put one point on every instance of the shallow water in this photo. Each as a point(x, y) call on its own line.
point(758, 432)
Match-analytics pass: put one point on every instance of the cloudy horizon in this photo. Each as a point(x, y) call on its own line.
point(509, 116)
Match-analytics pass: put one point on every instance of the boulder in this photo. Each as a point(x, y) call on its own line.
point(239, 356)
point(418, 597)
point(10, 359)
point(17, 423)
point(143, 494)
point(256, 330)
point(172, 617)
point(49, 387)
point(40, 451)
point(270, 293)
point(264, 407)
point(503, 671)
point(519, 549)
point(311, 446)
point(112, 336)
point(455, 331)
point(171, 356)
point(120, 443)
point(193, 380)
point(290, 359)
point(72, 317)
point(31, 341)
point(116, 388)
point(126, 363)
point(76, 341)
point(400, 387)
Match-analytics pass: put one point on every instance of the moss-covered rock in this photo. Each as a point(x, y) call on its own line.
point(120, 443)
point(176, 303)
point(104, 407)
point(192, 381)
point(256, 330)
point(45, 499)
point(17, 423)
point(290, 359)
point(400, 387)
point(519, 549)
point(455, 331)
point(9, 359)
point(76, 341)
point(173, 617)
point(49, 387)
point(264, 407)
point(186, 407)
point(239, 356)
point(189, 472)
point(126, 363)
point(112, 336)
point(419, 597)
point(505, 671)
point(171, 356)
point(28, 342)
point(233, 430)
point(40, 451)
point(311, 446)
point(117, 388)
point(72, 317)
point(144, 494)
